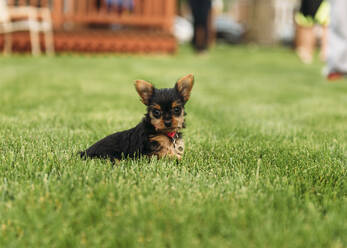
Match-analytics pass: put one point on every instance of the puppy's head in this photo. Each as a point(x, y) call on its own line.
point(166, 106)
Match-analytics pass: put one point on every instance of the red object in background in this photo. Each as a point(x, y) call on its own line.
point(334, 76)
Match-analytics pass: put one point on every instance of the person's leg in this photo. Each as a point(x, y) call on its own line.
point(206, 9)
point(200, 10)
point(337, 38)
point(194, 9)
point(305, 39)
point(305, 42)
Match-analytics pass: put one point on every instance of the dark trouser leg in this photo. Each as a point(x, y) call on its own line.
point(200, 10)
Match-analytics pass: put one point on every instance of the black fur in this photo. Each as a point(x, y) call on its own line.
point(131, 143)
point(164, 97)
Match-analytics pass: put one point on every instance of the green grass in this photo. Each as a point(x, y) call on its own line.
point(265, 162)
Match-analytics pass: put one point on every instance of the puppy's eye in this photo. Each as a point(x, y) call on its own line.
point(177, 110)
point(156, 113)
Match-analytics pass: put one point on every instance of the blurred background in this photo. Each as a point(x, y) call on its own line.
point(147, 26)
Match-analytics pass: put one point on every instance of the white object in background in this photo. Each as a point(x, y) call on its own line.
point(284, 19)
point(183, 30)
point(218, 6)
point(31, 24)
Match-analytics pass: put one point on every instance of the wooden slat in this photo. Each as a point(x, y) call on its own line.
point(120, 19)
point(10, 2)
point(86, 41)
point(155, 7)
point(147, 7)
point(44, 3)
point(33, 3)
point(71, 6)
point(22, 3)
point(137, 8)
point(170, 9)
point(90, 7)
point(57, 13)
point(162, 9)
point(82, 7)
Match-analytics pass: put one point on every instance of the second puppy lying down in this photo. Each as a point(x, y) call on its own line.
point(158, 134)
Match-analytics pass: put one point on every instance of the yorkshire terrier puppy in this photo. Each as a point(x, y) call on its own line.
point(159, 132)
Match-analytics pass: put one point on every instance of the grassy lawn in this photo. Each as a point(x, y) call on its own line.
point(265, 162)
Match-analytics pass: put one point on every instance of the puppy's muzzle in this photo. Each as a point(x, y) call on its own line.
point(167, 123)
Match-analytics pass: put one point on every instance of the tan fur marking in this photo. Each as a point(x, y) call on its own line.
point(167, 148)
point(176, 104)
point(158, 124)
point(177, 121)
point(157, 106)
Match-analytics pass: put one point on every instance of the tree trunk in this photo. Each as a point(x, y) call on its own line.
point(260, 22)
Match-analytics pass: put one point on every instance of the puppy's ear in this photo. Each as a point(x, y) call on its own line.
point(145, 90)
point(184, 86)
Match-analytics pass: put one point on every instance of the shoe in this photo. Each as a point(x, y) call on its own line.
point(332, 76)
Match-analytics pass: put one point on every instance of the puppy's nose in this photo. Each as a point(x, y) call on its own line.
point(167, 123)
